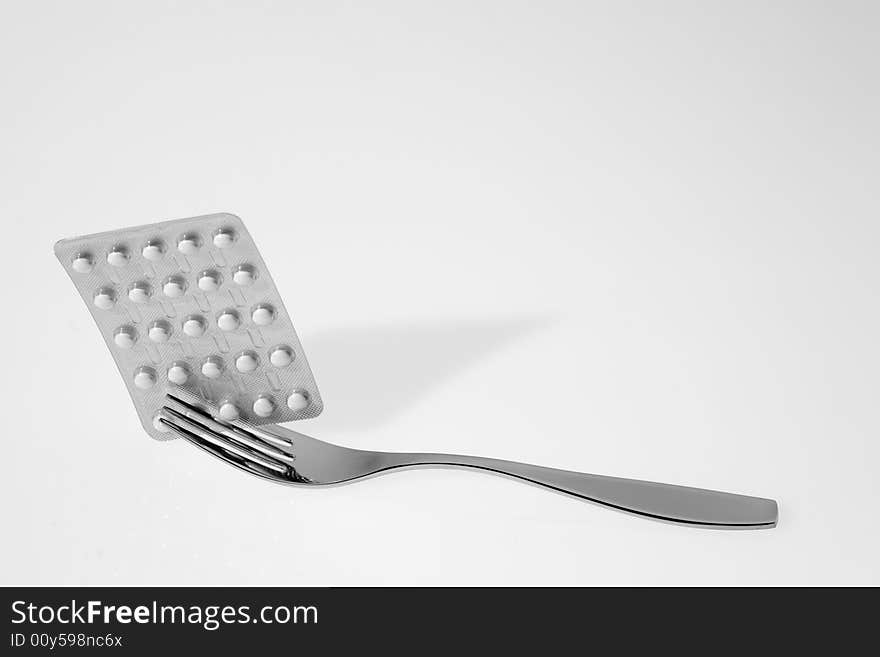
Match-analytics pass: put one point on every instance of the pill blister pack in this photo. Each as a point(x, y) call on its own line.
point(190, 304)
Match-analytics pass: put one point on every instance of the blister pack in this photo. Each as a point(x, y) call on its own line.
point(190, 304)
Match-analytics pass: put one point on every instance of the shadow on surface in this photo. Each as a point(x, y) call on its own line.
point(369, 374)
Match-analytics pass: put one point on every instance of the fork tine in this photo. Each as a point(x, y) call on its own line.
point(236, 435)
point(238, 443)
point(180, 401)
point(184, 424)
point(214, 450)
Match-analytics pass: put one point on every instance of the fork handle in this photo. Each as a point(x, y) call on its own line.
point(678, 504)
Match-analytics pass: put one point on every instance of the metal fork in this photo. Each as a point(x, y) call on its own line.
point(288, 457)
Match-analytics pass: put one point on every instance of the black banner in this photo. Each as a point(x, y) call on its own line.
point(113, 620)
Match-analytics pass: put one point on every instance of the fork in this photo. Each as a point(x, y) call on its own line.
point(288, 457)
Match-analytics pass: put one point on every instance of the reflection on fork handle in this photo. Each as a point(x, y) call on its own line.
point(678, 504)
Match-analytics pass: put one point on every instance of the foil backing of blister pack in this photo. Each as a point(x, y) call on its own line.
point(190, 304)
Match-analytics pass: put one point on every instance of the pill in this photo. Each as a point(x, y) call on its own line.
point(195, 326)
point(224, 237)
point(118, 256)
point(281, 356)
point(212, 367)
point(145, 377)
point(244, 275)
point(263, 314)
point(228, 320)
point(298, 400)
point(209, 280)
point(246, 361)
point(189, 243)
point(154, 250)
point(174, 286)
point(264, 406)
point(158, 425)
point(139, 292)
point(125, 336)
point(228, 411)
point(178, 373)
point(105, 298)
point(82, 263)
point(159, 331)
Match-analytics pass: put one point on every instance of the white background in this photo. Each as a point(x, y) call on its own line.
point(631, 239)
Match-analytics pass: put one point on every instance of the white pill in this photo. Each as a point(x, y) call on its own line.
point(228, 320)
point(209, 281)
point(178, 373)
point(82, 263)
point(139, 292)
point(224, 237)
point(212, 367)
point(194, 326)
point(158, 425)
point(281, 356)
point(118, 256)
point(174, 286)
point(105, 298)
point(189, 243)
point(159, 331)
point(298, 401)
point(246, 361)
point(125, 337)
point(228, 411)
point(263, 314)
point(264, 406)
point(145, 377)
point(154, 250)
point(244, 275)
